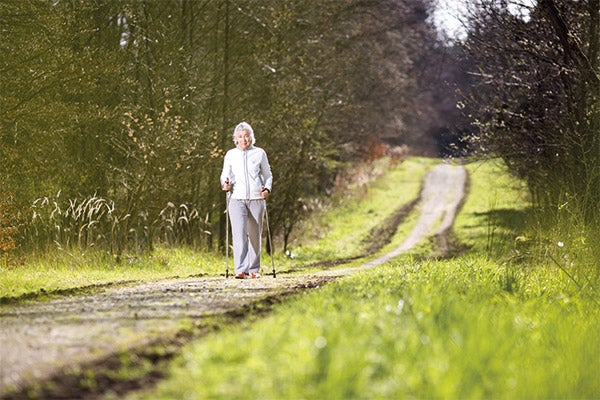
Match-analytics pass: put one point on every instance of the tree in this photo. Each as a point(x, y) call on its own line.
point(135, 101)
point(537, 95)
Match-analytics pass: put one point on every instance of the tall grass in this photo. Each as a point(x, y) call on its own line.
point(8, 229)
point(496, 210)
point(565, 240)
point(96, 222)
point(522, 236)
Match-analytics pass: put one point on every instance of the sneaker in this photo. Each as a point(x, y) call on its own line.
point(254, 275)
point(241, 275)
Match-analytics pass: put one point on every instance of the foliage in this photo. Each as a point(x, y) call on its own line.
point(535, 99)
point(134, 101)
point(8, 229)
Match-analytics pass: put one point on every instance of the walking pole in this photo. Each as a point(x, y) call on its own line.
point(227, 233)
point(269, 238)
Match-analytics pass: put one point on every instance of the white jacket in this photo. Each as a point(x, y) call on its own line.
point(248, 171)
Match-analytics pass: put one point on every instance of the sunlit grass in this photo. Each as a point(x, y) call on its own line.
point(502, 225)
point(430, 330)
point(338, 232)
point(496, 212)
point(62, 269)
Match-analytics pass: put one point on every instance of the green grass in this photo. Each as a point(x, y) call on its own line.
point(432, 330)
point(62, 270)
point(475, 326)
point(338, 232)
point(496, 212)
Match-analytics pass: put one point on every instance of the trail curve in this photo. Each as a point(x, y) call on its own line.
point(441, 196)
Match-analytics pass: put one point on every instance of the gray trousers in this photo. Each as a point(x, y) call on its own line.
point(246, 218)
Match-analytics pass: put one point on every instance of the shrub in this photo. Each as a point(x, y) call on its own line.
point(8, 228)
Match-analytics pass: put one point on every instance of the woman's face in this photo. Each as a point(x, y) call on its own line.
point(243, 139)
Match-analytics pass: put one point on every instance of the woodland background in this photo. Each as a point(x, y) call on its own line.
point(115, 115)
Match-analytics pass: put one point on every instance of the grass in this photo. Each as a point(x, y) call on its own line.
point(431, 330)
point(491, 323)
point(495, 212)
point(62, 270)
point(338, 231)
point(475, 326)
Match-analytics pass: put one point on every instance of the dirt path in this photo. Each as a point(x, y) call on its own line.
point(441, 198)
point(48, 341)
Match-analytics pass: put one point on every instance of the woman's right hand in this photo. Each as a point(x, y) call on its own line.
point(226, 186)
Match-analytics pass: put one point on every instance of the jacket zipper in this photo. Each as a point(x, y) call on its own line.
point(246, 173)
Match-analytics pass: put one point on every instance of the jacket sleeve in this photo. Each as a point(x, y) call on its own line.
point(226, 173)
point(265, 169)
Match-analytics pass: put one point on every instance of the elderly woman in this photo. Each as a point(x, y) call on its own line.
point(247, 174)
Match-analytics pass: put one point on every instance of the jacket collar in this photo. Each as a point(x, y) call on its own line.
point(249, 148)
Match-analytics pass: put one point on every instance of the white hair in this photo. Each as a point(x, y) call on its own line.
point(243, 126)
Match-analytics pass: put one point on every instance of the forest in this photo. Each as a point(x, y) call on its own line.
point(115, 115)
